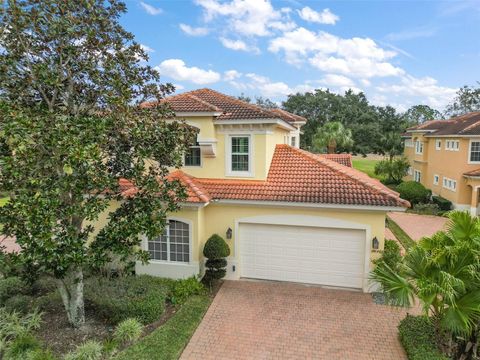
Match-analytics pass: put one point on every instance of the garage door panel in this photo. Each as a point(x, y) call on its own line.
point(303, 254)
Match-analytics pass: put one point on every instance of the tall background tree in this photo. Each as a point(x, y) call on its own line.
point(466, 100)
point(330, 136)
point(71, 79)
point(418, 114)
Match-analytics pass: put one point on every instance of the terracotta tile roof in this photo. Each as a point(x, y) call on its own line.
point(208, 100)
point(295, 176)
point(475, 172)
point(468, 124)
point(344, 159)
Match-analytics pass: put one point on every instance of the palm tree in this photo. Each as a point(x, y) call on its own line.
point(331, 135)
point(443, 273)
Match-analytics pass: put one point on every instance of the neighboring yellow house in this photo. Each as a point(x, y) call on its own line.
point(286, 214)
point(445, 157)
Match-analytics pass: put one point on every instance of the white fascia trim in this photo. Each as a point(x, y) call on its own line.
point(420, 131)
point(453, 136)
point(279, 122)
point(193, 205)
point(198, 113)
point(309, 205)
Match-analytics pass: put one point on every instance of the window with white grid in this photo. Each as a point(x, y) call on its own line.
point(173, 245)
point(240, 153)
point(475, 151)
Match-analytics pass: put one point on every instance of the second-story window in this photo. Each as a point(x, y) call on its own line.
point(240, 156)
point(475, 151)
point(452, 145)
point(438, 144)
point(193, 156)
point(418, 147)
point(294, 141)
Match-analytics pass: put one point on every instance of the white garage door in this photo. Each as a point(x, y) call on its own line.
point(326, 256)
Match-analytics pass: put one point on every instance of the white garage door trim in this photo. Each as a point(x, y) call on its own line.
point(310, 221)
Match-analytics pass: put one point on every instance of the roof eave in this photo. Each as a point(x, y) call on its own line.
point(276, 121)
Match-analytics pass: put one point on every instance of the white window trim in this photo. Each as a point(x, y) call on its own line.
point(201, 160)
point(470, 151)
point(418, 147)
point(190, 243)
point(448, 147)
point(446, 186)
point(438, 144)
point(415, 172)
point(228, 158)
point(409, 143)
point(436, 179)
point(410, 171)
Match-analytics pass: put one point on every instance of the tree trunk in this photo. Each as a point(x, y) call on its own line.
point(71, 290)
point(332, 146)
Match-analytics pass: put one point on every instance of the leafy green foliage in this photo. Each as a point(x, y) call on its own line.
point(391, 254)
point(215, 250)
point(23, 344)
point(90, 350)
point(418, 114)
point(426, 209)
point(401, 235)
point(414, 192)
point(466, 100)
point(63, 115)
point(392, 169)
point(417, 335)
point(141, 297)
point(10, 287)
point(442, 272)
point(183, 289)
point(20, 303)
point(443, 204)
point(168, 341)
point(128, 331)
point(331, 135)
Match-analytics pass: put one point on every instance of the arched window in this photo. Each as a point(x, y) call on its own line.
point(173, 245)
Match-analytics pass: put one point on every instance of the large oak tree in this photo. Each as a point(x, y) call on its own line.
point(71, 79)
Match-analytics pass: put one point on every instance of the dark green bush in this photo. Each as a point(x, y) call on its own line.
point(116, 299)
point(443, 204)
point(417, 335)
point(391, 254)
point(48, 302)
point(22, 345)
point(393, 170)
point(414, 192)
point(215, 250)
point(184, 288)
point(426, 209)
point(11, 286)
point(21, 303)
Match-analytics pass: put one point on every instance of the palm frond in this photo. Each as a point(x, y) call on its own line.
point(397, 289)
point(462, 317)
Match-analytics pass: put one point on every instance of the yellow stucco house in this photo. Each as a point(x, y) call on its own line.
point(286, 214)
point(445, 157)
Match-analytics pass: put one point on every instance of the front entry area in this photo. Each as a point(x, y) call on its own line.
point(303, 254)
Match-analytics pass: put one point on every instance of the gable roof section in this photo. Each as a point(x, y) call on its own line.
point(230, 108)
point(468, 124)
point(343, 159)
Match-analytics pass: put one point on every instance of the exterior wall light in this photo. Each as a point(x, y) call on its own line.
point(229, 233)
point(375, 243)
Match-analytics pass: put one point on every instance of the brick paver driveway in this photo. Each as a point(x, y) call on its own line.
point(417, 226)
point(274, 320)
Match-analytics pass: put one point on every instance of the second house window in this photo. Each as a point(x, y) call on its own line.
point(240, 154)
point(193, 156)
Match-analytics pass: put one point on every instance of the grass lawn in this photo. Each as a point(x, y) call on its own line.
point(401, 235)
point(366, 165)
point(169, 340)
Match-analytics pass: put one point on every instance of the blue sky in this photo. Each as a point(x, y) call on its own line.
point(398, 52)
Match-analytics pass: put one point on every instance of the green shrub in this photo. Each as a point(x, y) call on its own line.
point(443, 204)
point(417, 335)
point(38, 354)
point(22, 345)
point(11, 286)
point(90, 350)
point(48, 302)
point(128, 331)
point(426, 209)
point(182, 289)
point(393, 170)
point(391, 254)
point(20, 303)
point(44, 285)
point(142, 297)
point(215, 250)
point(414, 192)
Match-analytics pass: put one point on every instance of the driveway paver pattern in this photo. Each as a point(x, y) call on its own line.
point(417, 226)
point(275, 320)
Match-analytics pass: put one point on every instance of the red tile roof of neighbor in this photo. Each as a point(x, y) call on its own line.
point(475, 172)
point(468, 124)
point(344, 159)
point(296, 176)
point(208, 100)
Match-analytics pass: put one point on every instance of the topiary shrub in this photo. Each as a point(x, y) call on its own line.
point(417, 336)
point(414, 192)
point(11, 286)
point(116, 299)
point(215, 250)
point(443, 204)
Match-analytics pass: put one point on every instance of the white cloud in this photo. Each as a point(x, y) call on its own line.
point(247, 17)
point(238, 45)
point(147, 48)
point(177, 70)
point(151, 10)
point(194, 31)
point(178, 87)
point(230, 75)
point(323, 17)
point(263, 86)
point(335, 80)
